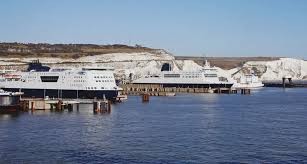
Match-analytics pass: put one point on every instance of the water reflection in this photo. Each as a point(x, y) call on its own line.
point(266, 126)
point(8, 116)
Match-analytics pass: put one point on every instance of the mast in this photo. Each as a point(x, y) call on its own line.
point(205, 61)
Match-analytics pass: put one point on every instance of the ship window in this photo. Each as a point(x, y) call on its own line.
point(210, 75)
point(49, 78)
point(172, 75)
point(102, 87)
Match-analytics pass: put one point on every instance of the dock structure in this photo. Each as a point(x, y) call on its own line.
point(101, 106)
point(46, 104)
point(33, 104)
point(286, 82)
point(245, 91)
point(159, 90)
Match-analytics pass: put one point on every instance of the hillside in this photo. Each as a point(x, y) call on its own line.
point(24, 52)
point(74, 51)
point(226, 62)
point(140, 61)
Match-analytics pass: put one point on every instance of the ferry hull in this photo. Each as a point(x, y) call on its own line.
point(72, 94)
point(9, 104)
point(9, 109)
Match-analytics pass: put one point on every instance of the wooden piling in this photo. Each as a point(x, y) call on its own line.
point(59, 105)
point(32, 106)
point(145, 97)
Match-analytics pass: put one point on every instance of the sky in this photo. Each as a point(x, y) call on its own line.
point(182, 27)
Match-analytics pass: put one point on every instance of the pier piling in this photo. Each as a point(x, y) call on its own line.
point(145, 97)
point(101, 106)
point(245, 91)
point(32, 106)
point(70, 107)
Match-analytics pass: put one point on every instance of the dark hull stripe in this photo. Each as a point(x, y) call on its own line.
point(193, 85)
point(73, 94)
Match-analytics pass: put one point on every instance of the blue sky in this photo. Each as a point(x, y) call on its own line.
point(183, 27)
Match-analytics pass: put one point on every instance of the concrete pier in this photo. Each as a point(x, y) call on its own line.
point(101, 106)
point(158, 90)
point(33, 104)
point(284, 81)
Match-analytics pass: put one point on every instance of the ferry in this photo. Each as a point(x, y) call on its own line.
point(206, 77)
point(40, 81)
point(250, 81)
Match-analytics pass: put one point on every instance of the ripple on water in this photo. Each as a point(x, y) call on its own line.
point(267, 126)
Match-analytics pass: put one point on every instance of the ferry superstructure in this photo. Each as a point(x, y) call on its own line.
point(40, 82)
point(206, 77)
point(248, 81)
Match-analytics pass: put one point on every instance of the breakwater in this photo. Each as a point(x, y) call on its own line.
point(159, 90)
point(287, 84)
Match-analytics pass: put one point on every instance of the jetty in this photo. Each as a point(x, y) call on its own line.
point(33, 104)
point(286, 83)
point(159, 90)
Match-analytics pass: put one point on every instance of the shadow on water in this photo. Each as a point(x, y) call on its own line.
point(11, 115)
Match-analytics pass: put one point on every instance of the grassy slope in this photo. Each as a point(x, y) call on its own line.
point(64, 50)
point(10, 50)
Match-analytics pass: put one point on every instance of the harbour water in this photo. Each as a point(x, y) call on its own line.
point(269, 125)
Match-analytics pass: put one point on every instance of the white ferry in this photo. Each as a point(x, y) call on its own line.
point(41, 81)
point(206, 77)
point(248, 81)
